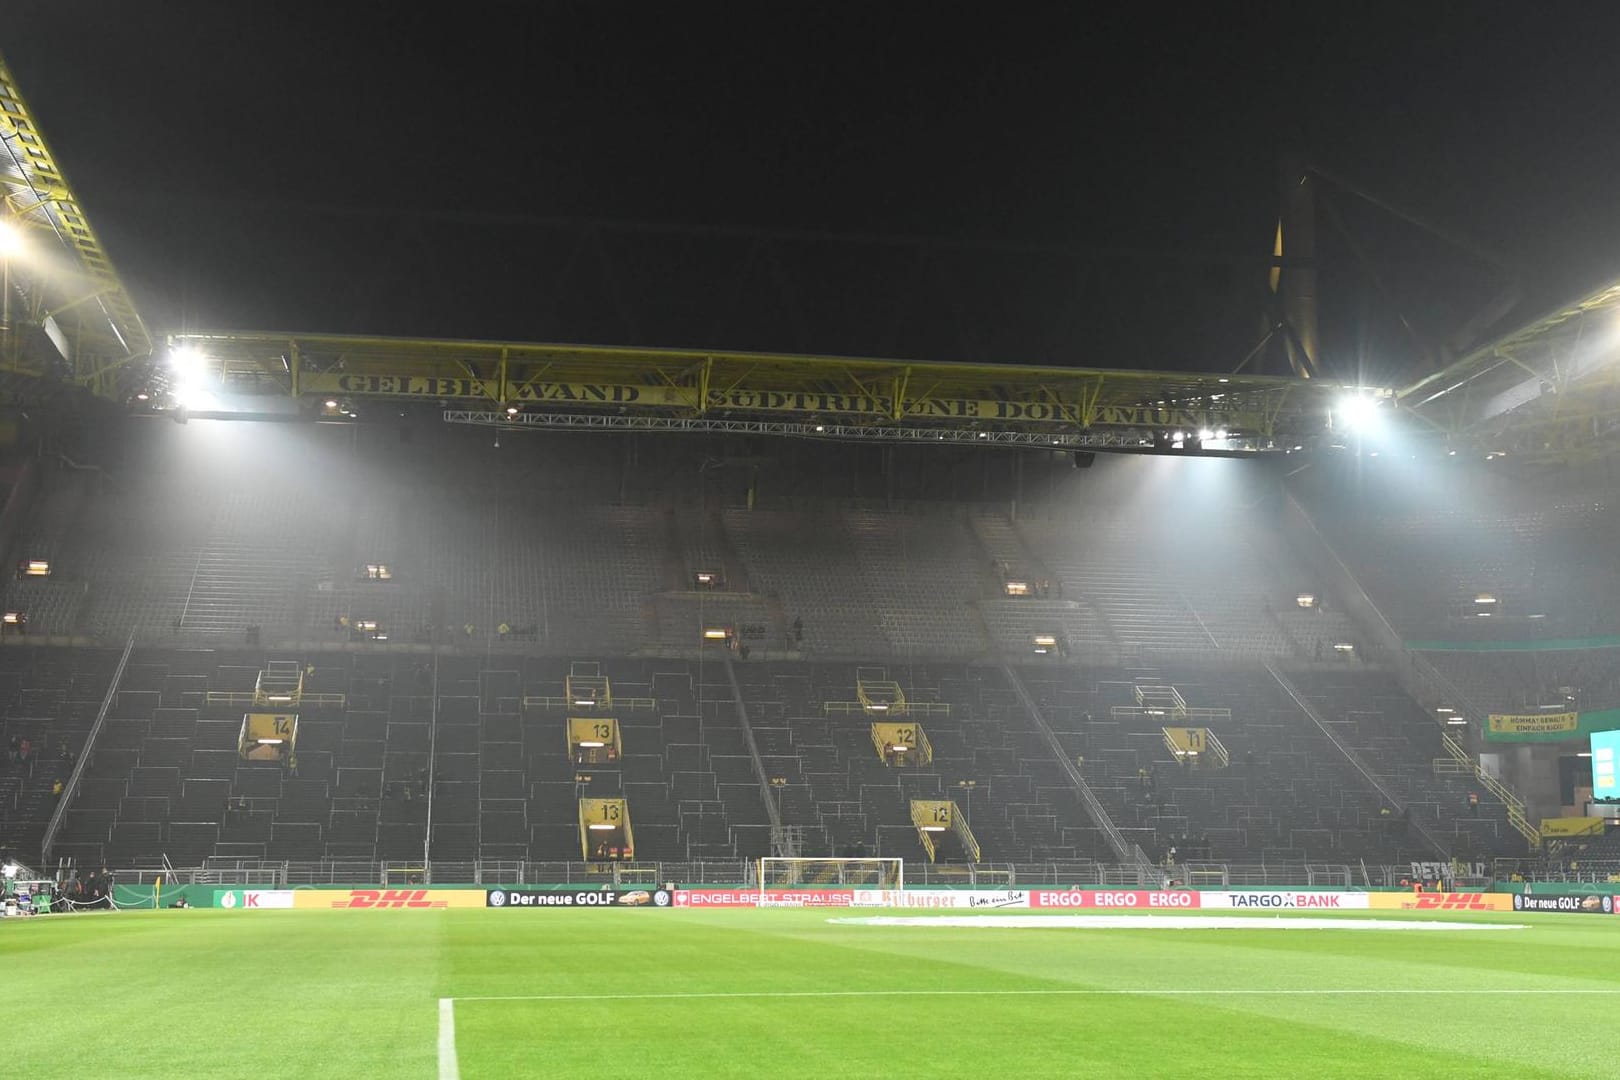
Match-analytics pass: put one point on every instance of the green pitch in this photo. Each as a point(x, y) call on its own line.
point(357, 994)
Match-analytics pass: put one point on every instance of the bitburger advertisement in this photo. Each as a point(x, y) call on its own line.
point(584, 898)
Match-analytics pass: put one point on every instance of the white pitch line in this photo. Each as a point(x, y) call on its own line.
point(1094, 992)
point(449, 1069)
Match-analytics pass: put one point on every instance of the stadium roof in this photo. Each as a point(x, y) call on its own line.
point(1547, 389)
point(74, 320)
point(224, 373)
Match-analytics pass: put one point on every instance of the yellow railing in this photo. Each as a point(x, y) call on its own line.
point(1515, 805)
point(964, 835)
point(921, 819)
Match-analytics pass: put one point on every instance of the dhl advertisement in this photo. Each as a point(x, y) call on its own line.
point(1451, 902)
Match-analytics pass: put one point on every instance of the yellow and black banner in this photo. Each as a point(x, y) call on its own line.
point(1571, 826)
point(692, 400)
point(1532, 727)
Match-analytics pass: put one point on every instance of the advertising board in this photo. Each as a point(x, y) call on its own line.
point(1566, 904)
point(252, 899)
point(552, 899)
point(1438, 901)
point(388, 899)
point(1286, 900)
point(1114, 899)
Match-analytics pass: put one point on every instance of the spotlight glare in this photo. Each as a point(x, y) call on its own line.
point(11, 239)
point(1358, 413)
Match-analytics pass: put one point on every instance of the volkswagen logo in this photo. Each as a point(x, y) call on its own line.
point(497, 898)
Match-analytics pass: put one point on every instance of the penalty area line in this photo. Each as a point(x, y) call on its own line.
point(449, 1068)
point(1085, 992)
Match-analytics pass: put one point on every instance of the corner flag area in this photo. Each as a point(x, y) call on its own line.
point(551, 992)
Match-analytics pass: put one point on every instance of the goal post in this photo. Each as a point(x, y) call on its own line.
point(780, 872)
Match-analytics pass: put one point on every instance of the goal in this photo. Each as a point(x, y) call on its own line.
point(777, 872)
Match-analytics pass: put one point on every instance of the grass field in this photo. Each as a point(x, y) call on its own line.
point(778, 993)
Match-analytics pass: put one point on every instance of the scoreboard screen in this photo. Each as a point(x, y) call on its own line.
point(1605, 754)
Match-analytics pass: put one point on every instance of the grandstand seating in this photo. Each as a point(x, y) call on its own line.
point(187, 551)
point(49, 697)
point(1288, 795)
point(165, 779)
point(1545, 552)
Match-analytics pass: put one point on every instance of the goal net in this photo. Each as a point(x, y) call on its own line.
point(780, 873)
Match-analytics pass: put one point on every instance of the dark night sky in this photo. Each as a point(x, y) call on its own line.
point(1093, 186)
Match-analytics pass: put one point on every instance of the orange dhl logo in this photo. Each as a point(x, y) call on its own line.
point(1452, 902)
point(388, 898)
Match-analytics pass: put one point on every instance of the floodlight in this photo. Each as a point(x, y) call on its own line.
point(185, 358)
point(511, 410)
point(594, 826)
point(1457, 721)
point(715, 633)
point(1205, 435)
point(1357, 413)
point(11, 239)
point(593, 745)
point(933, 828)
point(11, 869)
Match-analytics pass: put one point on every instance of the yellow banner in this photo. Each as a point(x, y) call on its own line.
point(388, 899)
point(1556, 723)
point(401, 386)
point(690, 399)
point(1572, 826)
point(1439, 901)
